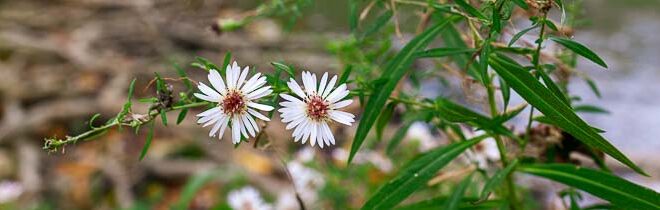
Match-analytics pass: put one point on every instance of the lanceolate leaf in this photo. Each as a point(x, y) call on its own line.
point(457, 195)
point(442, 52)
point(470, 9)
point(466, 203)
point(618, 191)
point(416, 174)
point(551, 106)
point(580, 50)
point(497, 179)
point(147, 143)
point(453, 112)
point(394, 71)
point(384, 119)
point(453, 39)
point(377, 24)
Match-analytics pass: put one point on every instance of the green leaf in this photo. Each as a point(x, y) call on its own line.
point(506, 92)
point(453, 112)
point(377, 24)
point(394, 71)
point(590, 109)
point(147, 143)
point(416, 174)
point(452, 39)
point(618, 191)
point(580, 50)
point(553, 87)
point(353, 14)
point(470, 9)
point(497, 179)
point(131, 89)
point(520, 34)
point(455, 198)
point(225, 62)
point(521, 4)
point(546, 120)
point(551, 106)
point(182, 116)
point(593, 87)
point(397, 138)
point(284, 67)
point(345, 74)
point(466, 204)
point(163, 117)
point(384, 119)
point(193, 185)
point(442, 52)
point(91, 120)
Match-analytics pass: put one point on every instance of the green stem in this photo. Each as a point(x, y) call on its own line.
point(55, 144)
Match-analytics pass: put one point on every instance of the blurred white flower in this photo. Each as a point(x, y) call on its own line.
point(10, 191)
point(341, 155)
point(235, 100)
point(484, 152)
point(287, 201)
point(380, 161)
point(314, 108)
point(247, 198)
point(307, 181)
point(305, 154)
point(420, 132)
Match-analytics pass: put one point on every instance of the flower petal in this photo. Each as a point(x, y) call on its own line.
point(338, 94)
point(216, 81)
point(341, 104)
point(341, 117)
point(258, 115)
point(330, 86)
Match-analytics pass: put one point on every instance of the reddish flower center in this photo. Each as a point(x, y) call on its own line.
point(233, 103)
point(317, 108)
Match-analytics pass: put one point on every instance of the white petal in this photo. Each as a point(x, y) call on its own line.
point(258, 115)
point(257, 92)
point(341, 104)
point(209, 112)
point(216, 81)
point(248, 125)
point(208, 91)
point(216, 126)
point(330, 86)
point(205, 119)
point(251, 87)
point(312, 136)
point(261, 95)
point(236, 70)
point(208, 120)
point(328, 132)
point(341, 117)
point(307, 131)
point(224, 123)
point(292, 104)
point(261, 107)
point(206, 98)
point(295, 122)
point(300, 130)
point(251, 82)
point(291, 98)
point(243, 125)
point(253, 123)
point(293, 85)
point(229, 75)
point(308, 82)
point(241, 79)
point(324, 80)
point(235, 131)
point(338, 94)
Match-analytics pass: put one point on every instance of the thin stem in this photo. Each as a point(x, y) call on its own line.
point(55, 144)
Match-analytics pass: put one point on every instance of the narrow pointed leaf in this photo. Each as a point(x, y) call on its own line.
point(520, 34)
point(442, 52)
point(455, 199)
point(466, 203)
point(618, 191)
point(470, 9)
point(377, 24)
point(416, 174)
point(580, 50)
point(497, 179)
point(394, 71)
point(551, 106)
point(384, 119)
point(182, 116)
point(147, 143)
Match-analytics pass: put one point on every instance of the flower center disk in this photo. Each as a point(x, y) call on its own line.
point(234, 103)
point(317, 108)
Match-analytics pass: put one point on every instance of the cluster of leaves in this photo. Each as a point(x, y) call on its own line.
point(487, 60)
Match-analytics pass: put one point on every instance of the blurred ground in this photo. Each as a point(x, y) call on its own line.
point(62, 61)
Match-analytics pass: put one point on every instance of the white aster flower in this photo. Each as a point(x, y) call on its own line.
point(236, 107)
point(314, 108)
point(247, 198)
